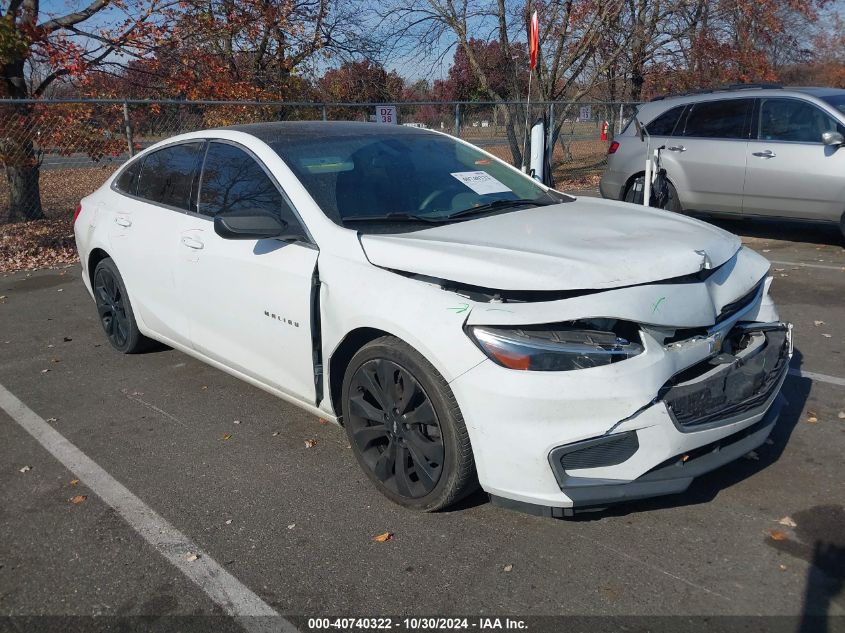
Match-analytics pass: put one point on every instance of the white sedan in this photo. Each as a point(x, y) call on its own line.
point(465, 324)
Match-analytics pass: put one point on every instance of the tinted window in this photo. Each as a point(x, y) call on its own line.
point(664, 125)
point(400, 172)
point(128, 178)
point(793, 120)
point(233, 180)
point(718, 119)
point(167, 175)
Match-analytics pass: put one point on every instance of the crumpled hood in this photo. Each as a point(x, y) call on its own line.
point(582, 245)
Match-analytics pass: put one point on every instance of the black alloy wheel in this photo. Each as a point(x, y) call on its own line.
point(115, 310)
point(111, 308)
point(405, 427)
point(395, 428)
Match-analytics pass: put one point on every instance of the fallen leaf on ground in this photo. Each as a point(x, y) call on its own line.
point(191, 557)
point(310, 443)
point(818, 323)
point(777, 535)
point(782, 567)
point(26, 469)
point(237, 422)
point(827, 335)
point(767, 250)
point(381, 538)
point(291, 526)
point(74, 482)
point(788, 522)
point(275, 433)
point(229, 522)
point(812, 417)
point(323, 421)
point(841, 415)
point(78, 499)
point(226, 436)
point(44, 371)
point(52, 420)
point(752, 455)
point(507, 567)
point(55, 360)
point(60, 290)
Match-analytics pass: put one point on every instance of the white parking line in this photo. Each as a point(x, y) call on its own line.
point(225, 590)
point(832, 380)
point(802, 265)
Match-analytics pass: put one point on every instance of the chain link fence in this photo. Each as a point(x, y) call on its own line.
point(56, 152)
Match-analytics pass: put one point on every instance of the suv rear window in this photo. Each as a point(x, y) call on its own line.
point(664, 125)
point(168, 175)
point(726, 118)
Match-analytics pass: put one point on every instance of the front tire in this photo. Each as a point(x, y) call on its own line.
point(115, 309)
point(405, 427)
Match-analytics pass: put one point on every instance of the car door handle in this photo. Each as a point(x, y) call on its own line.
point(190, 242)
point(765, 154)
point(677, 148)
point(126, 222)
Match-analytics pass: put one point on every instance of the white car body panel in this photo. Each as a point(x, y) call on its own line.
point(585, 245)
point(216, 303)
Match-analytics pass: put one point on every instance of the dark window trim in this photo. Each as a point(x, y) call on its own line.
point(758, 109)
point(746, 126)
point(142, 159)
point(251, 154)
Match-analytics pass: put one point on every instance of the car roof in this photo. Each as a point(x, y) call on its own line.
point(752, 90)
point(657, 106)
point(280, 131)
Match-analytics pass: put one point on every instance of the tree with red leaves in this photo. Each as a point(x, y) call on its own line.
point(35, 51)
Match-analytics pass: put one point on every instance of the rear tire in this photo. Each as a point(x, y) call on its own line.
point(115, 310)
point(634, 195)
point(405, 427)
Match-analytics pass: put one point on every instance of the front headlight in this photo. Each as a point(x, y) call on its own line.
point(559, 346)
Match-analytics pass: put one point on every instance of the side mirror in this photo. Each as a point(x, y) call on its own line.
point(249, 224)
point(833, 138)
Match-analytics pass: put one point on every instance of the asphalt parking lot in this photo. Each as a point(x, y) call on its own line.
point(227, 466)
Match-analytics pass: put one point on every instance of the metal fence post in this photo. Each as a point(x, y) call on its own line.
point(457, 119)
point(325, 118)
point(621, 113)
point(130, 142)
point(550, 131)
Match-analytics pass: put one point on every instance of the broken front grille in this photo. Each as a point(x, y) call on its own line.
point(741, 379)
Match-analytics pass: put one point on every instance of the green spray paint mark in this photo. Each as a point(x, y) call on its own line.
point(657, 303)
point(460, 309)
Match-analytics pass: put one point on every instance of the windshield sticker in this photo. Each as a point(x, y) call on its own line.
point(326, 164)
point(480, 182)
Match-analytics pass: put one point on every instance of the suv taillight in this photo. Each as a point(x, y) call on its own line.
point(613, 147)
point(77, 212)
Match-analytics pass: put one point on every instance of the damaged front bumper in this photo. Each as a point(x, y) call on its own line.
point(697, 398)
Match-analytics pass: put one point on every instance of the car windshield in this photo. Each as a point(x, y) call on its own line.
point(406, 177)
point(837, 101)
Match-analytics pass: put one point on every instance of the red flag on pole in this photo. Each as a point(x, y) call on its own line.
point(534, 39)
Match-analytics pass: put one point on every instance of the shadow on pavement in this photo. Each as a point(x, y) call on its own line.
point(778, 229)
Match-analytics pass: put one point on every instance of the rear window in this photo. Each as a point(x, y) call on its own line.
point(168, 175)
point(719, 119)
point(127, 181)
point(664, 125)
